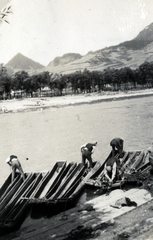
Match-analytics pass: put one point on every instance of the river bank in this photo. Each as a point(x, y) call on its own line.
point(32, 104)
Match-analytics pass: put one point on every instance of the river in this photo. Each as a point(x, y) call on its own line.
point(57, 133)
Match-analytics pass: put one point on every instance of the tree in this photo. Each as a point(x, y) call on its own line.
point(151, 74)
point(86, 76)
point(95, 80)
point(17, 80)
point(4, 13)
point(5, 85)
point(34, 83)
point(107, 77)
point(74, 80)
point(57, 81)
point(45, 78)
point(27, 86)
point(143, 68)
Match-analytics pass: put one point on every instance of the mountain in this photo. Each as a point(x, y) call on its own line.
point(144, 38)
point(20, 62)
point(127, 54)
point(66, 58)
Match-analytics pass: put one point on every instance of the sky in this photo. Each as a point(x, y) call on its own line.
point(44, 29)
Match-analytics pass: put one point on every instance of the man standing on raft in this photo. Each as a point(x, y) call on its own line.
point(86, 151)
point(15, 164)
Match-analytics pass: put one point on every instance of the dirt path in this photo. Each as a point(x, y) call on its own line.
point(31, 104)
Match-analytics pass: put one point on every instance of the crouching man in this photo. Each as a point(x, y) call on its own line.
point(110, 170)
point(87, 151)
point(15, 164)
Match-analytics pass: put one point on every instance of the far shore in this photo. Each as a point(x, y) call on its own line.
point(34, 104)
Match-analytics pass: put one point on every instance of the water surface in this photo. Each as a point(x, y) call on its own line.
point(57, 133)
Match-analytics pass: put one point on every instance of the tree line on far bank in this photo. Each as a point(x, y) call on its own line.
point(110, 79)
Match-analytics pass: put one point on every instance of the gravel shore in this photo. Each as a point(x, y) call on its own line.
point(31, 104)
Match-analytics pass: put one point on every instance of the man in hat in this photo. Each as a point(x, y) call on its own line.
point(87, 151)
point(15, 164)
point(117, 144)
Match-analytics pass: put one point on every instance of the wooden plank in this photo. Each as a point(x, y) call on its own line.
point(9, 188)
point(67, 183)
point(48, 180)
point(5, 185)
point(51, 177)
point(17, 211)
point(58, 181)
point(137, 161)
point(61, 226)
point(10, 194)
point(15, 197)
point(25, 195)
point(75, 181)
point(84, 180)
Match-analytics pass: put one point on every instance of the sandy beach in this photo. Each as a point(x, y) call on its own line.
point(31, 104)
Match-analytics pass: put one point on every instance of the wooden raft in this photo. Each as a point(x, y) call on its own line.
point(92, 215)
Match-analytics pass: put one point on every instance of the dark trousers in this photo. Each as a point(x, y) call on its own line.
point(16, 165)
point(86, 155)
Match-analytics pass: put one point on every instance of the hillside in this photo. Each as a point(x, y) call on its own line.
point(66, 58)
point(144, 38)
point(127, 54)
point(20, 62)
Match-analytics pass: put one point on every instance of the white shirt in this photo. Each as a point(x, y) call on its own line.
point(7, 160)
